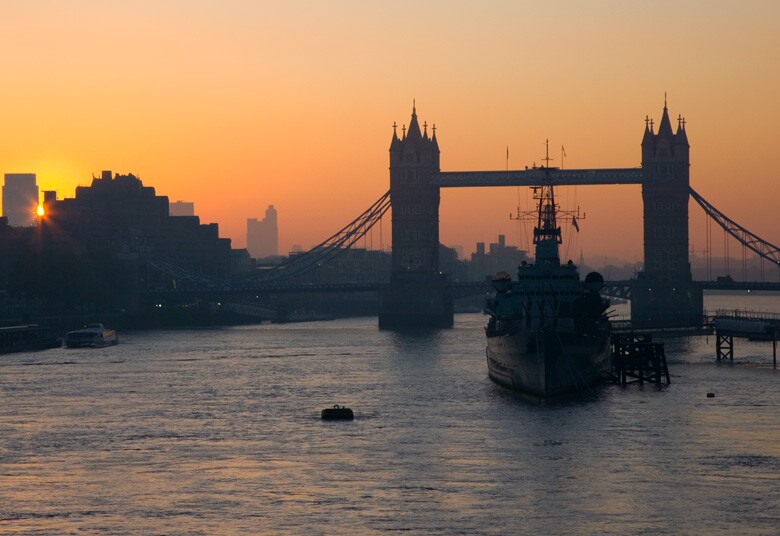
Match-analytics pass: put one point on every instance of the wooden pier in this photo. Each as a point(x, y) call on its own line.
point(727, 325)
point(636, 358)
point(750, 325)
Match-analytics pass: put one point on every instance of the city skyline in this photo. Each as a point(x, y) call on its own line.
point(212, 99)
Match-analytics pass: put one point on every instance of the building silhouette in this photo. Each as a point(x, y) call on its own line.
point(20, 199)
point(181, 208)
point(120, 232)
point(119, 214)
point(499, 257)
point(14, 241)
point(262, 236)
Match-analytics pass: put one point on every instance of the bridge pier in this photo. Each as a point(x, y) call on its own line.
point(724, 345)
point(415, 305)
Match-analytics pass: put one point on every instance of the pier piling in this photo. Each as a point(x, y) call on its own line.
point(636, 358)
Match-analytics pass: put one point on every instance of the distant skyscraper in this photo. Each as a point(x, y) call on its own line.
point(262, 237)
point(181, 208)
point(20, 199)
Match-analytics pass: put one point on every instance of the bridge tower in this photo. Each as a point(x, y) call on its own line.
point(664, 293)
point(417, 295)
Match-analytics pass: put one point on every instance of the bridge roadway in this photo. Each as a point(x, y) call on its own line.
point(460, 288)
point(538, 176)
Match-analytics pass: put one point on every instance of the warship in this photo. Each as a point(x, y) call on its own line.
point(548, 332)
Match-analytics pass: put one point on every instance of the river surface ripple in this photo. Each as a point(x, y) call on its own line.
point(219, 432)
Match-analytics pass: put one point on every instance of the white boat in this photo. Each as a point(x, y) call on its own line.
point(91, 335)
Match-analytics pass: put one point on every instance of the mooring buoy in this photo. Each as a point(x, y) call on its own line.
point(710, 395)
point(337, 413)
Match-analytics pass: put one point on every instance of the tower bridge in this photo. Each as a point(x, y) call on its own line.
point(664, 294)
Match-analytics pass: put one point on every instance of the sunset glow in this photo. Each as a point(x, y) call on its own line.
point(238, 105)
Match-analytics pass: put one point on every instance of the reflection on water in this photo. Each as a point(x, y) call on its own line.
point(218, 432)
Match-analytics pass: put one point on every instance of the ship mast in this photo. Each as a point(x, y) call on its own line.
point(547, 226)
point(547, 234)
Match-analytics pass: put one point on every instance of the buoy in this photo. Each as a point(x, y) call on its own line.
point(710, 395)
point(337, 413)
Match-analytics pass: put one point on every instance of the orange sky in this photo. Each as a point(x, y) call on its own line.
point(235, 105)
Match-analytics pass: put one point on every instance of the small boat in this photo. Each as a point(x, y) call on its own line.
point(91, 335)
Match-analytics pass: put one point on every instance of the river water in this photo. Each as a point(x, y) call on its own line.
point(219, 432)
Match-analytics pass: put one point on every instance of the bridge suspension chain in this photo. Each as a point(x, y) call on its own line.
point(330, 247)
point(750, 240)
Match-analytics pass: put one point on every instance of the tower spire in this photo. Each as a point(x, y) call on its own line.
point(414, 127)
point(665, 128)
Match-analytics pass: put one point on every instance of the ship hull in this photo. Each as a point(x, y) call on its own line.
point(548, 363)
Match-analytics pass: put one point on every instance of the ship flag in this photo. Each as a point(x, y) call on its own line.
point(575, 224)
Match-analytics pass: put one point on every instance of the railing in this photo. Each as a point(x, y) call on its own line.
point(748, 315)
